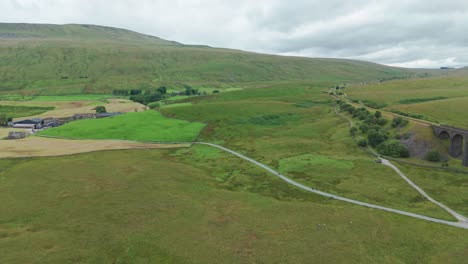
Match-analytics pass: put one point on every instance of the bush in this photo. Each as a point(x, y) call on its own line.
point(100, 109)
point(364, 128)
point(433, 156)
point(382, 121)
point(376, 137)
point(154, 105)
point(353, 131)
point(394, 149)
point(378, 114)
point(399, 122)
point(215, 91)
point(362, 143)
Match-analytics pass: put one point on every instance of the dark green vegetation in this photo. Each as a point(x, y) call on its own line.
point(421, 100)
point(71, 59)
point(140, 126)
point(373, 126)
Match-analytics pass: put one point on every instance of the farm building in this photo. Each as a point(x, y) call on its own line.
point(17, 135)
point(34, 123)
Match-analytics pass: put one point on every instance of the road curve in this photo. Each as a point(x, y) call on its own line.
point(333, 196)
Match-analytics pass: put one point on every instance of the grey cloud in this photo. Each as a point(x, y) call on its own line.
point(413, 33)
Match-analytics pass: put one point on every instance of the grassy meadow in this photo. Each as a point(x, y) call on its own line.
point(441, 99)
point(138, 126)
point(199, 205)
point(160, 206)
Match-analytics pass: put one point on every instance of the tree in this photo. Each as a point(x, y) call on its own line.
point(162, 90)
point(353, 131)
point(382, 121)
point(393, 148)
point(378, 114)
point(135, 91)
point(364, 128)
point(376, 137)
point(100, 109)
point(362, 143)
point(215, 91)
point(433, 156)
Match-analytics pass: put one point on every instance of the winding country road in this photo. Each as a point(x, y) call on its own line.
point(463, 225)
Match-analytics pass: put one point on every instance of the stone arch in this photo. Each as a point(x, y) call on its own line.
point(444, 134)
point(456, 145)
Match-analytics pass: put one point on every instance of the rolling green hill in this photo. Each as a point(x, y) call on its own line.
point(64, 59)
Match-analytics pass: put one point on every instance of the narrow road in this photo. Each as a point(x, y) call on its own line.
point(463, 225)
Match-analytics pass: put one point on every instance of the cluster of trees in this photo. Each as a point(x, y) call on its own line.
point(122, 92)
point(372, 126)
point(149, 96)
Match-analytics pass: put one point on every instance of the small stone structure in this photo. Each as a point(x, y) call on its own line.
point(17, 135)
point(458, 140)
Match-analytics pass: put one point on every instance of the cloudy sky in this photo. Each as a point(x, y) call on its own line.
point(410, 33)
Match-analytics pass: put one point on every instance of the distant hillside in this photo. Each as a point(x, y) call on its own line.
point(76, 32)
point(51, 59)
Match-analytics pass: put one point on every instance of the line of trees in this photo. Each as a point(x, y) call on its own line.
point(372, 126)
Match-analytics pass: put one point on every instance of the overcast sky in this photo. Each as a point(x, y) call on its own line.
point(409, 33)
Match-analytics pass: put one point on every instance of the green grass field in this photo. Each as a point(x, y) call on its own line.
point(151, 206)
point(20, 111)
point(139, 126)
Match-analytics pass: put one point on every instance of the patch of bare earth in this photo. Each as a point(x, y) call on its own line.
point(39, 146)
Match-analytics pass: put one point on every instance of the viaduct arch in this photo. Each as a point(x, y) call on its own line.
point(458, 140)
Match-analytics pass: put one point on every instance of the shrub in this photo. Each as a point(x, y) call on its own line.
point(364, 128)
point(353, 131)
point(362, 143)
point(378, 114)
point(154, 105)
point(215, 91)
point(100, 109)
point(394, 149)
point(382, 121)
point(399, 122)
point(376, 137)
point(433, 156)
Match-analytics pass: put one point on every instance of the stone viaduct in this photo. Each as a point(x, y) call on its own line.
point(458, 140)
